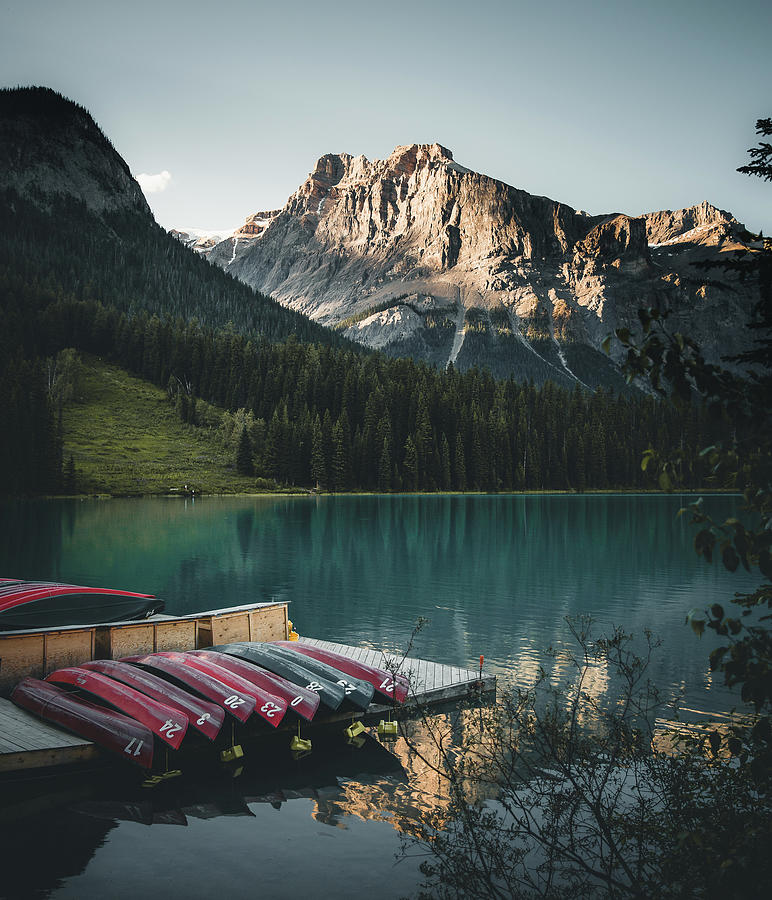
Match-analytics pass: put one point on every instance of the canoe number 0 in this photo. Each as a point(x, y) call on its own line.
point(170, 728)
point(387, 685)
point(296, 701)
point(233, 701)
point(130, 746)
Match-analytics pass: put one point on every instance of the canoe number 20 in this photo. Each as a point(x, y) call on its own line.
point(233, 701)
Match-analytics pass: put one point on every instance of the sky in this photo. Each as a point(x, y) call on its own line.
point(224, 107)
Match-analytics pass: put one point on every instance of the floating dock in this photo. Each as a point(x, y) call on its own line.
point(27, 743)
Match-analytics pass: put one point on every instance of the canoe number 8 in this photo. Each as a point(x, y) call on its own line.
point(314, 686)
point(233, 701)
point(130, 746)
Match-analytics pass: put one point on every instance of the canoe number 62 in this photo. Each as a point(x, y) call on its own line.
point(387, 686)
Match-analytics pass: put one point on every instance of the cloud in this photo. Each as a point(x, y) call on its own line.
point(154, 184)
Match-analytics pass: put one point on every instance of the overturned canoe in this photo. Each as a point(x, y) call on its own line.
point(127, 737)
point(391, 685)
point(302, 701)
point(167, 723)
point(204, 716)
point(268, 706)
point(42, 604)
point(330, 692)
point(240, 706)
point(357, 691)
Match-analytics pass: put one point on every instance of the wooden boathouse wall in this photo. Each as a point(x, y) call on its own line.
point(40, 652)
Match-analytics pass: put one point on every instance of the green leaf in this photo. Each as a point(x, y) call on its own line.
point(664, 481)
point(606, 344)
point(730, 558)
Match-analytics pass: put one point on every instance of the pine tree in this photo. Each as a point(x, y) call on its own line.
point(244, 454)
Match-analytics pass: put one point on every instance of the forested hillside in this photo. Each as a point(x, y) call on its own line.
point(314, 415)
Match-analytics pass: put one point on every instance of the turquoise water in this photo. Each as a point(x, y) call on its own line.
point(494, 575)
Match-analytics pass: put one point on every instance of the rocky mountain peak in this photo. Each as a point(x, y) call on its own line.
point(704, 219)
point(418, 255)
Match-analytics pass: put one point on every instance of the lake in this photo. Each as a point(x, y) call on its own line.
point(494, 575)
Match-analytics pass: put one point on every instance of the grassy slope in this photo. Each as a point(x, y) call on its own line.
point(125, 438)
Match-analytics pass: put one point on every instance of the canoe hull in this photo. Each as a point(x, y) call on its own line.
point(357, 692)
point(36, 604)
point(269, 707)
point(129, 739)
point(303, 702)
point(204, 716)
point(240, 706)
point(391, 686)
point(330, 693)
point(169, 724)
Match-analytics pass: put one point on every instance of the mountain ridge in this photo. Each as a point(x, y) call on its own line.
point(420, 256)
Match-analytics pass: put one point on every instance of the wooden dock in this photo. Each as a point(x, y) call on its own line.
point(26, 742)
point(430, 682)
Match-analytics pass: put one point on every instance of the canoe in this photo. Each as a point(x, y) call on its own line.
point(127, 737)
point(357, 692)
point(269, 707)
point(300, 700)
point(240, 706)
point(390, 685)
point(330, 693)
point(42, 604)
point(204, 716)
point(168, 724)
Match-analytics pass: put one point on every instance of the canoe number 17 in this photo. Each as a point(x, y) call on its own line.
point(130, 746)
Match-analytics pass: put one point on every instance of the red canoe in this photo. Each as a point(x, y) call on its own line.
point(43, 604)
point(130, 739)
point(204, 716)
point(239, 705)
point(268, 706)
point(393, 687)
point(304, 702)
point(169, 724)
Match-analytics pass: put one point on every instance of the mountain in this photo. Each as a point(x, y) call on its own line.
point(74, 222)
point(420, 256)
